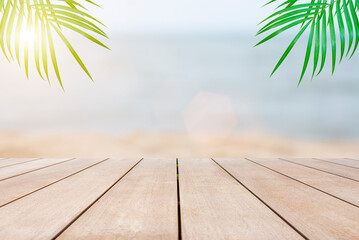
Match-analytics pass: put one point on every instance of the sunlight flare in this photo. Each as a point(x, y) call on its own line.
point(33, 24)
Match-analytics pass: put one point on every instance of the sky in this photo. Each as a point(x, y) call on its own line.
point(142, 16)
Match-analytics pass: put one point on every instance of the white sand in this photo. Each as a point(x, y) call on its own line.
point(169, 145)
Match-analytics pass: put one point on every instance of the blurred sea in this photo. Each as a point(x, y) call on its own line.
point(145, 83)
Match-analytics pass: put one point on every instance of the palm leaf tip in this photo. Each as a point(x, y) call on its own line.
point(44, 20)
point(336, 18)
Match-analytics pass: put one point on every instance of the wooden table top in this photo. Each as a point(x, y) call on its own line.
point(179, 199)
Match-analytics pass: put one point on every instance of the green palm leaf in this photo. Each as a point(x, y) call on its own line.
point(41, 19)
point(339, 18)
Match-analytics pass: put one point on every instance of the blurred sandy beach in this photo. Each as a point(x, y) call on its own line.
point(169, 145)
point(152, 94)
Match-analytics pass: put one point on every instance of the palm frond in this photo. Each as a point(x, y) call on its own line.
point(336, 18)
point(41, 19)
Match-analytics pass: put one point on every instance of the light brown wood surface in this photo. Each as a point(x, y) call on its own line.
point(342, 188)
point(19, 169)
point(342, 161)
point(250, 199)
point(215, 206)
point(14, 188)
point(315, 214)
point(348, 172)
point(13, 161)
point(142, 206)
point(44, 214)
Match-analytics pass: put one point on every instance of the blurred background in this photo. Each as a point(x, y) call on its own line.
point(182, 79)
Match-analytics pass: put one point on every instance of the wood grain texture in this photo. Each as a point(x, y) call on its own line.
point(343, 171)
point(19, 169)
point(342, 188)
point(143, 205)
point(215, 206)
point(13, 161)
point(44, 214)
point(342, 161)
point(14, 188)
point(315, 214)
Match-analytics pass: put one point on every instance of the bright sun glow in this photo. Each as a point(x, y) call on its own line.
point(27, 35)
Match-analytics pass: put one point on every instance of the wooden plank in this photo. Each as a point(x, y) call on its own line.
point(215, 206)
point(342, 161)
point(142, 206)
point(315, 214)
point(13, 161)
point(14, 188)
point(19, 169)
point(343, 171)
point(44, 214)
point(342, 188)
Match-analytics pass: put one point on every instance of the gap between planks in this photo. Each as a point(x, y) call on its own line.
point(142, 206)
point(339, 171)
point(96, 200)
point(255, 161)
point(355, 164)
point(314, 213)
point(11, 172)
point(262, 201)
point(55, 212)
point(17, 161)
point(27, 191)
point(179, 221)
